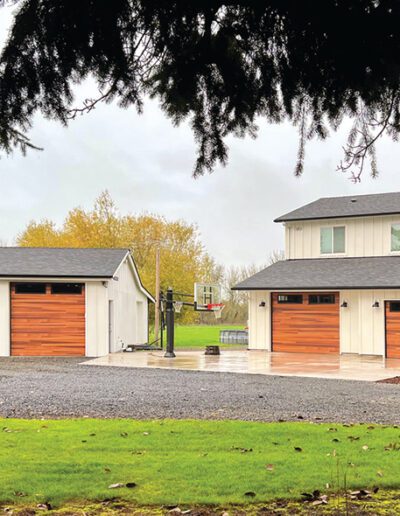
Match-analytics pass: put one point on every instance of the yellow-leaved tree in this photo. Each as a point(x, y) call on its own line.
point(183, 258)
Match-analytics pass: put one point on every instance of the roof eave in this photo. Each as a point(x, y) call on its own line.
point(324, 287)
point(298, 219)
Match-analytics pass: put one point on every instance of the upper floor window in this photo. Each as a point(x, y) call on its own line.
point(333, 240)
point(395, 237)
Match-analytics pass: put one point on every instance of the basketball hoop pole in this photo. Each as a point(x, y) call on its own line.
point(169, 305)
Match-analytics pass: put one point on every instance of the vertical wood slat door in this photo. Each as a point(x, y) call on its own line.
point(305, 327)
point(47, 324)
point(392, 321)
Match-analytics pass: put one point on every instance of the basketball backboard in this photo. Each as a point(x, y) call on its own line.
point(206, 295)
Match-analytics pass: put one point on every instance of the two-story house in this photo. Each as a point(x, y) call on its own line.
point(338, 289)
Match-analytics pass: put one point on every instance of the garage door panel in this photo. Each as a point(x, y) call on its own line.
point(304, 327)
point(47, 324)
point(392, 321)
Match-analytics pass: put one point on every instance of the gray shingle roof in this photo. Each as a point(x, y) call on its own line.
point(349, 206)
point(59, 262)
point(327, 273)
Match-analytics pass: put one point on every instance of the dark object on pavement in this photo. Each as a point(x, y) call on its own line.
point(212, 350)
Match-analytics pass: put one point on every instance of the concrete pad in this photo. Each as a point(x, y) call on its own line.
point(339, 367)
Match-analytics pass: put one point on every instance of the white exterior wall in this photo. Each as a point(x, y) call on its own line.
point(362, 328)
point(365, 236)
point(96, 319)
point(259, 320)
point(4, 318)
point(130, 310)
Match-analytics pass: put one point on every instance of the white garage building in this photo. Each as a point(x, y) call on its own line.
point(70, 302)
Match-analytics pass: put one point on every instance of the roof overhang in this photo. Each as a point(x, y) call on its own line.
point(367, 273)
point(332, 217)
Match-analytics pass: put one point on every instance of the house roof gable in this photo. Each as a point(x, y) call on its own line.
point(347, 206)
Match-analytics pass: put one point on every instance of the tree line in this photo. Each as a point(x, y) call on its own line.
point(183, 258)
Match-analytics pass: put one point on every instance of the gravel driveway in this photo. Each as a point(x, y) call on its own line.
point(58, 387)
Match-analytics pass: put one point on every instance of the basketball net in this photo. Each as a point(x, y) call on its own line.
point(178, 306)
point(216, 308)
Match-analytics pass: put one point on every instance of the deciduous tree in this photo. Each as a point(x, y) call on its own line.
point(183, 257)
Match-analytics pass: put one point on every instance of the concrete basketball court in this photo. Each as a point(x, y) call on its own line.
point(339, 367)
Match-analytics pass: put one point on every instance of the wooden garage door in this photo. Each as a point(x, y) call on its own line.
point(392, 316)
point(305, 322)
point(47, 321)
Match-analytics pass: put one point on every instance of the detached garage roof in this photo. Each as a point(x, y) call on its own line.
point(350, 206)
point(60, 262)
point(327, 273)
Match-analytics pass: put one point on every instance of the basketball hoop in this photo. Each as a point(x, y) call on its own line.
point(216, 308)
point(178, 306)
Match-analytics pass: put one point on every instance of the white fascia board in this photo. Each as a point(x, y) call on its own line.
point(132, 263)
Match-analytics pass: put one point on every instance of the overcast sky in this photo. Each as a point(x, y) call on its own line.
point(147, 164)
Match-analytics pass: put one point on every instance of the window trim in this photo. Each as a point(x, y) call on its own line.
point(332, 253)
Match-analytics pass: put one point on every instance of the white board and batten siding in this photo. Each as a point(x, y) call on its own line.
point(260, 320)
point(4, 318)
point(130, 309)
point(365, 236)
point(96, 319)
point(362, 326)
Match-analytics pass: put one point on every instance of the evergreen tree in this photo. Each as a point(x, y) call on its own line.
point(219, 64)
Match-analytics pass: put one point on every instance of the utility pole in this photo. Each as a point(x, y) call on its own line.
point(169, 308)
point(157, 306)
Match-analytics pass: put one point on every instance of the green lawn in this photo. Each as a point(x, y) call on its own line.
point(192, 462)
point(199, 336)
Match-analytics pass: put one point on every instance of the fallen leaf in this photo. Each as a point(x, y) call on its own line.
point(270, 467)
point(317, 502)
point(242, 450)
point(379, 473)
point(146, 433)
point(116, 486)
point(44, 506)
point(19, 493)
point(365, 447)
